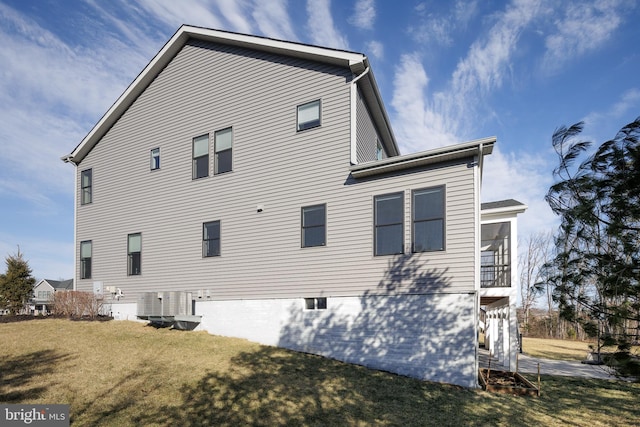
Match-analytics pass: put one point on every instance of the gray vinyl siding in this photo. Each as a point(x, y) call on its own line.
point(366, 134)
point(207, 88)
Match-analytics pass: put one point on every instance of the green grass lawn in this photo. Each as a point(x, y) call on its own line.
point(122, 373)
point(562, 349)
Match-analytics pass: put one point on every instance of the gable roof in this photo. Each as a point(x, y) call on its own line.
point(358, 63)
point(60, 284)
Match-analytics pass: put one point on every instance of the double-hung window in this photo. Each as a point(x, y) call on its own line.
point(134, 254)
point(309, 115)
point(211, 239)
point(155, 159)
point(86, 185)
point(314, 226)
point(428, 219)
point(201, 156)
point(223, 150)
point(389, 224)
point(85, 259)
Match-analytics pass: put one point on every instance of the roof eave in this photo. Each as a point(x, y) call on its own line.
point(424, 158)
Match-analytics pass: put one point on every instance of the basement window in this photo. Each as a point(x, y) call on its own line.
point(315, 303)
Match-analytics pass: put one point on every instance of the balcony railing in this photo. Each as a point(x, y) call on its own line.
point(495, 276)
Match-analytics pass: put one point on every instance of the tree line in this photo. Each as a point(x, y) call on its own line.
point(589, 269)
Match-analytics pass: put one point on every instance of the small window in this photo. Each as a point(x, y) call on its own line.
point(389, 224)
point(223, 149)
point(85, 259)
point(314, 226)
point(86, 185)
point(201, 156)
point(309, 115)
point(379, 151)
point(155, 159)
point(211, 239)
point(134, 254)
point(428, 219)
point(315, 303)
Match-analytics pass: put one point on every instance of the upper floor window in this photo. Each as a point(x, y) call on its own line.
point(155, 159)
point(211, 239)
point(223, 149)
point(314, 226)
point(134, 254)
point(428, 219)
point(85, 259)
point(309, 115)
point(389, 224)
point(379, 151)
point(201, 156)
point(86, 185)
point(44, 295)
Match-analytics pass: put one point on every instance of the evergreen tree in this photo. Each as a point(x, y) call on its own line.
point(597, 263)
point(16, 285)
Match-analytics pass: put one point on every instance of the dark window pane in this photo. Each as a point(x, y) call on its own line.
point(310, 303)
point(212, 247)
point(223, 161)
point(212, 230)
point(313, 236)
point(389, 240)
point(314, 226)
point(428, 235)
point(85, 268)
point(134, 263)
point(389, 209)
point(211, 239)
point(86, 183)
point(201, 167)
point(428, 204)
point(321, 303)
point(313, 216)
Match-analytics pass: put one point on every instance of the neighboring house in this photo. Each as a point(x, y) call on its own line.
point(42, 300)
point(263, 177)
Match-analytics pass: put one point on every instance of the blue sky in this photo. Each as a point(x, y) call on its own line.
point(448, 72)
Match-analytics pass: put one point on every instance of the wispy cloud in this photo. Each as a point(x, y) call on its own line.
point(192, 12)
point(524, 177)
point(583, 27)
point(273, 19)
point(321, 27)
point(364, 14)
point(418, 124)
point(440, 28)
point(450, 113)
point(375, 48)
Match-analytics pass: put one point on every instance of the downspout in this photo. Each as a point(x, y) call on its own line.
point(480, 161)
point(69, 159)
point(477, 259)
point(354, 93)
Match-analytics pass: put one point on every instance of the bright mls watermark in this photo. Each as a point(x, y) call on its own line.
point(34, 415)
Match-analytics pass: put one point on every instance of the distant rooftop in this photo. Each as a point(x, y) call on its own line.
point(61, 284)
point(501, 204)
